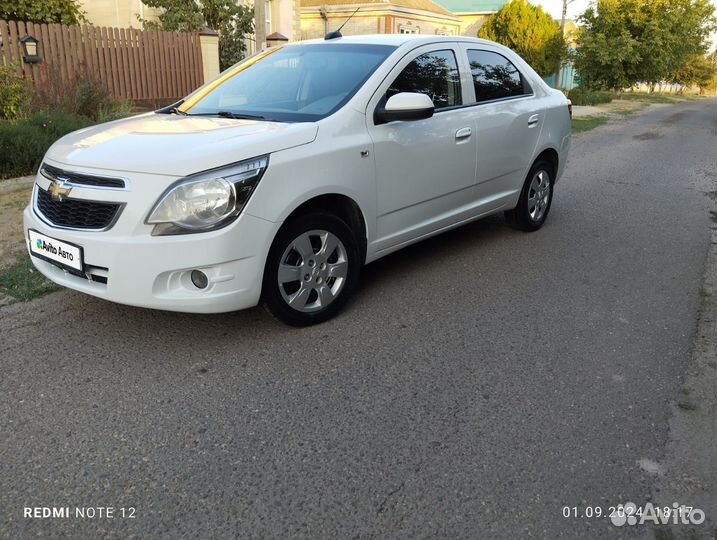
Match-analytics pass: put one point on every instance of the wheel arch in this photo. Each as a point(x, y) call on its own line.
point(551, 156)
point(342, 206)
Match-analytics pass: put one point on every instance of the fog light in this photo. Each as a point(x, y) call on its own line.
point(199, 279)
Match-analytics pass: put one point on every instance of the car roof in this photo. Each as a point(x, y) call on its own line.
point(395, 40)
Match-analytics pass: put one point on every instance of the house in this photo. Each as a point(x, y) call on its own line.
point(377, 17)
point(307, 19)
point(472, 13)
point(280, 16)
point(117, 13)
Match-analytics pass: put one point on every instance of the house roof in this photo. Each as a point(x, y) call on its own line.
point(423, 5)
point(472, 6)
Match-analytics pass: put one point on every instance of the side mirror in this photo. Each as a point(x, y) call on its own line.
point(404, 106)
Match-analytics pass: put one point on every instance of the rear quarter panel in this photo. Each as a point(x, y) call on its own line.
point(557, 129)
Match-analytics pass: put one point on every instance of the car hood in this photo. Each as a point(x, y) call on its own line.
point(175, 145)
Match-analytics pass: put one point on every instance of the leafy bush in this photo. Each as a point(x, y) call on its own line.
point(580, 96)
point(57, 108)
point(13, 92)
point(85, 97)
point(114, 110)
point(24, 142)
point(54, 11)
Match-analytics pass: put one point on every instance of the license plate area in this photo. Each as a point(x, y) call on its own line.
point(63, 254)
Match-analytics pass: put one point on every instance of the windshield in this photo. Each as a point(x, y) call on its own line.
point(300, 83)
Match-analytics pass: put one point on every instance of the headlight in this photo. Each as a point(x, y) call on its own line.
point(207, 201)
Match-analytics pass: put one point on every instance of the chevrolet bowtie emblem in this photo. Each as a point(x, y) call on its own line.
point(59, 189)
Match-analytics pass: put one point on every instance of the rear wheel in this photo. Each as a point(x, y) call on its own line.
point(535, 198)
point(312, 268)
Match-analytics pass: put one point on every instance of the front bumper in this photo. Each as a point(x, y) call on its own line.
point(153, 271)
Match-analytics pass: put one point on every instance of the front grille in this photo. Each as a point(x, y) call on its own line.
point(76, 213)
point(53, 173)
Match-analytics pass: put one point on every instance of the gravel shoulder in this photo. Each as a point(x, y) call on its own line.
point(688, 475)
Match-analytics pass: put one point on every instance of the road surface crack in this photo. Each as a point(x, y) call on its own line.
point(382, 507)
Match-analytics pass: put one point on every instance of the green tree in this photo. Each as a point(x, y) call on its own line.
point(529, 31)
point(698, 71)
point(228, 17)
point(43, 11)
point(608, 53)
point(623, 42)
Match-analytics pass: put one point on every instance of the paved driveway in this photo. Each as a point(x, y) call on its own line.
point(481, 381)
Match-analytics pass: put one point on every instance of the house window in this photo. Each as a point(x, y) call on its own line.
point(267, 16)
point(444, 32)
point(407, 29)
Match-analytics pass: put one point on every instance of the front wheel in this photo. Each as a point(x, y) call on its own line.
point(535, 199)
point(312, 268)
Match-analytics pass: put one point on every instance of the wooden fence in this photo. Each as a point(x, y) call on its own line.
point(136, 65)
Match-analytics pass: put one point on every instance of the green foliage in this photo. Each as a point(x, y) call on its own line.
point(13, 92)
point(652, 97)
point(114, 110)
point(59, 108)
point(43, 11)
point(92, 99)
point(623, 42)
point(228, 17)
point(23, 282)
point(581, 96)
point(232, 47)
point(696, 71)
point(24, 142)
point(529, 31)
point(86, 97)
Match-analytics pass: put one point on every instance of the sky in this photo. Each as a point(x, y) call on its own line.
point(576, 7)
point(555, 7)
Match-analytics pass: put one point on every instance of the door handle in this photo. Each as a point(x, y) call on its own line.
point(463, 133)
point(533, 120)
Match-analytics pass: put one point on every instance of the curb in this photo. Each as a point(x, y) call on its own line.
point(11, 184)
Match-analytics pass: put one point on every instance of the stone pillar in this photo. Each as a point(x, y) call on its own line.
point(209, 43)
point(260, 24)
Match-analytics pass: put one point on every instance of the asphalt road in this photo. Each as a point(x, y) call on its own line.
point(480, 382)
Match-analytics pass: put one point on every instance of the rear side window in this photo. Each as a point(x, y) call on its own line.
point(434, 74)
point(495, 77)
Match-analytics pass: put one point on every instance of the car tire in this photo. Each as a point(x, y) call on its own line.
point(535, 200)
point(312, 269)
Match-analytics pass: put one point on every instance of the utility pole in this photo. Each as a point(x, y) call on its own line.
point(559, 76)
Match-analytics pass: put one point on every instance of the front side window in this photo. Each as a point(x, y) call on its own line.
point(434, 74)
point(297, 83)
point(494, 76)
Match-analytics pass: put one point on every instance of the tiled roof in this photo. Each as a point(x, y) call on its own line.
point(472, 6)
point(423, 5)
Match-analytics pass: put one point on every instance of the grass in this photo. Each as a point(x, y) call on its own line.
point(657, 97)
point(581, 125)
point(22, 282)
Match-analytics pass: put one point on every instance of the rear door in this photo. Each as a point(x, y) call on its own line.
point(507, 121)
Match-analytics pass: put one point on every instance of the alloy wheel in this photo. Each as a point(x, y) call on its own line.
point(312, 271)
point(538, 195)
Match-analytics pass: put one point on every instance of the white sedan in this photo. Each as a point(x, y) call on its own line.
point(280, 179)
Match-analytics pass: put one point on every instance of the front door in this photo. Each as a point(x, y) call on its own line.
point(423, 167)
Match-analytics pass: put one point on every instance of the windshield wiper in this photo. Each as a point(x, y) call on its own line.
point(239, 116)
